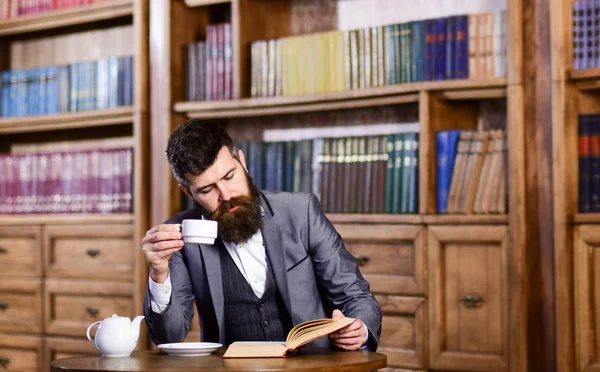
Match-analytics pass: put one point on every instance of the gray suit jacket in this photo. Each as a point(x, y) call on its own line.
point(313, 270)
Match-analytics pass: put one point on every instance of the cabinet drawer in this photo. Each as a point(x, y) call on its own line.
point(21, 305)
point(390, 257)
point(20, 353)
point(403, 331)
point(20, 250)
point(60, 348)
point(89, 251)
point(71, 306)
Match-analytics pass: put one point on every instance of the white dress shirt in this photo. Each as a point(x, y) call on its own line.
point(250, 258)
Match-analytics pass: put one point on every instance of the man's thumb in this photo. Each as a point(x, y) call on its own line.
point(337, 314)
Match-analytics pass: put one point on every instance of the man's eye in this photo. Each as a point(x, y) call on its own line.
point(229, 176)
point(205, 191)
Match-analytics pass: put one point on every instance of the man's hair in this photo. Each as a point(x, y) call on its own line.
point(194, 147)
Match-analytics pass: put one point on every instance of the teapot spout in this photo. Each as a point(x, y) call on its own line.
point(135, 327)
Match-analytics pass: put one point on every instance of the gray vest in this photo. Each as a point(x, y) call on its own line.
point(247, 317)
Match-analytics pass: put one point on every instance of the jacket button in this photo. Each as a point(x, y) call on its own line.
point(261, 305)
point(266, 323)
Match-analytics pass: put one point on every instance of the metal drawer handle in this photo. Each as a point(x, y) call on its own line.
point(93, 311)
point(93, 252)
point(472, 302)
point(4, 362)
point(361, 260)
point(3, 305)
point(3, 250)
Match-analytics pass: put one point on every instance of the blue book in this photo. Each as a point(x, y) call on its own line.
point(461, 47)
point(440, 48)
point(445, 152)
point(585, 165)
point(450, 47)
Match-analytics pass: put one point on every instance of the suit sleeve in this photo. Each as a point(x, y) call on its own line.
point(338, 274)
point(174, 324)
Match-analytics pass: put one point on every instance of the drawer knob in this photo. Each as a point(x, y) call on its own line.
point(361, 260)
point(93, 311)
point(4, 362)
point(93, 252)
point(472, 302)
point(3, 305)
point(3, 250)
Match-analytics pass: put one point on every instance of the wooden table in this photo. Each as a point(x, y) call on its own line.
point(156, 361)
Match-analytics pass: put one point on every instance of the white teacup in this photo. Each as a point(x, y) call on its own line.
point(199, 231)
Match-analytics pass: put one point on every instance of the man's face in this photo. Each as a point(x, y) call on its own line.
point(225, 193)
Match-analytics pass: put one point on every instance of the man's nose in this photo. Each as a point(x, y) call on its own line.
point(224, 192)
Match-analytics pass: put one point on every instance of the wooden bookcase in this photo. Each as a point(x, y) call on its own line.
point(51, 289)
point(424, 268)
point(574, 92)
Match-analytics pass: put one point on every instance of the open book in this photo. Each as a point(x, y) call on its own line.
point(301, 334)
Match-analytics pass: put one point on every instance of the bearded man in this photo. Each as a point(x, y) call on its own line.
point(278, 260)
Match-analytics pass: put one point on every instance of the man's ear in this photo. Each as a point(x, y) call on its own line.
point(185, 190)
point(242, 159)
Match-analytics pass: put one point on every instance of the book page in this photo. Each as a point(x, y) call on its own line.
point(306, 332)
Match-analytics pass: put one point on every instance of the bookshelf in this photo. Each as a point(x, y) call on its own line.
point(575, 92)
point(56, 267)
point(435, 252)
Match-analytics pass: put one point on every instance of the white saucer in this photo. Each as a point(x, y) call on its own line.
point(189, 348)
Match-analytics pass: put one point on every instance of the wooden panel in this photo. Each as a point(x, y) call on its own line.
point(391, 258)
point(20, 353)
point(21, 305)
point(86, 119)
point(586, 252)
point(59, 348)
point(20, 251)
point(468, 303)
point(71, 306)
point(403, 331)
point(92, 251)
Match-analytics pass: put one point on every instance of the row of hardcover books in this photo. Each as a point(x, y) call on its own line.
point(361, 174)
point(208, 65)
point(589, 163)
point(586, 34)
point(16, 8)
point(458, 47)
point(98, 181)
point(81, 86)
point(471, 172)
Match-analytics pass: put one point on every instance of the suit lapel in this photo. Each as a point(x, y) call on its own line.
point(276, 256)
point(212, 263)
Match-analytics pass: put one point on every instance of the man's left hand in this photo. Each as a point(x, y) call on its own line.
point(351, 337)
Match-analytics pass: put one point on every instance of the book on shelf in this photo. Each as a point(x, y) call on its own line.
point(471, 171)
point(300, 335)
point(463, 46)
point(208, 65)
point(81, 86)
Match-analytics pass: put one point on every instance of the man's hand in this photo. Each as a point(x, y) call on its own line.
point(351, 337)
point(158, 245)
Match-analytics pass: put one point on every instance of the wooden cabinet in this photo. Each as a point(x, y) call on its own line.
point(21, 305)
point(20, 253)
point(21, 353)
point(62, 347)
point(586, 259)
point(91, 251)
point(468, 298)
point(392, 258)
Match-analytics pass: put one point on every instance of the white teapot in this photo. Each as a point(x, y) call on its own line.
point(117, 336)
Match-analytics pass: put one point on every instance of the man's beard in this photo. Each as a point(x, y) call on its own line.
point(241, 224)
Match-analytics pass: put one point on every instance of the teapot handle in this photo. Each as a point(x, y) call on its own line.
point(89, 329)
